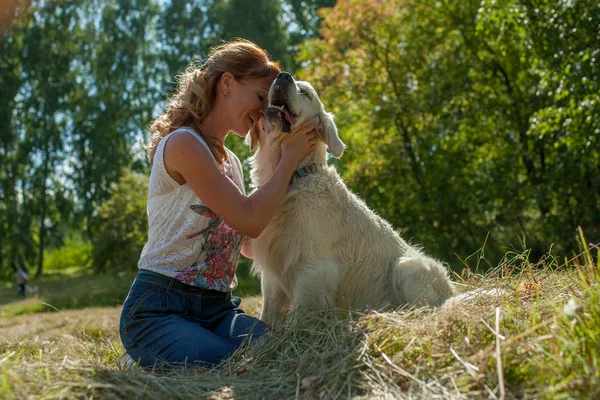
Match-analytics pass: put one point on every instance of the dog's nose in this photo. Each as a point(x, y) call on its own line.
point(284, 76)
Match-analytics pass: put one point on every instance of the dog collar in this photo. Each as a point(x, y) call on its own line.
point(304, 171)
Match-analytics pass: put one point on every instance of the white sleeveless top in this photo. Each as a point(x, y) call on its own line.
point(186, 240)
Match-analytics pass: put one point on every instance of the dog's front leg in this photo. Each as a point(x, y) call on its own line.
point(275, 302)
point(316, 285)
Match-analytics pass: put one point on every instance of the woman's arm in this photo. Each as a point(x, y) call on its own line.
point(247, 247)
point(185, 157)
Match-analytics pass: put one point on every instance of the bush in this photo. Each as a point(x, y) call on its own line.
point(121, 226)
point(75, 253)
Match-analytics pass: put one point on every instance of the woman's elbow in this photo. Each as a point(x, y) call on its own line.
point(254, 232)
point(253, 228)
point(246, 249)
point(252, 221)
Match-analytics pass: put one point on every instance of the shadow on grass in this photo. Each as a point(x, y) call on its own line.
point(306, 351)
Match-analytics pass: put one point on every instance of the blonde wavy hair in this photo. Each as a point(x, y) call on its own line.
point(197, 90)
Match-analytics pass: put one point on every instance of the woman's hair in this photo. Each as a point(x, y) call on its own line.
point(197, 90)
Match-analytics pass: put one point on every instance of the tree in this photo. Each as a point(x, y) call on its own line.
point(118, 88)
point(185, 32)
point(259, 21)
point(123, 228)
point(81, 81)
point(447, 109)
point(81, 92)
point(37, 130)
point(11, 221)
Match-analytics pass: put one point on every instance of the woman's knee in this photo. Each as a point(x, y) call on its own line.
point(246, 328)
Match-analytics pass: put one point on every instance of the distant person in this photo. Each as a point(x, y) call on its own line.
point(22, 279)
point(180, 309)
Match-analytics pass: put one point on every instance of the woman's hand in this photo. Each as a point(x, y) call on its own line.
point(299, 143)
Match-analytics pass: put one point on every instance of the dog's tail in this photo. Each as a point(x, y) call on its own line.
point(421, 281)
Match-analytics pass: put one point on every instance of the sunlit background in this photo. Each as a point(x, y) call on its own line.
point(472, 126)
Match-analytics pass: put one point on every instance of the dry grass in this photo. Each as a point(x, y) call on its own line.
point(521, 344)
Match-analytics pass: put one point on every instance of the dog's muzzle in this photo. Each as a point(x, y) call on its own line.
point(279, 110)
point(275, 121)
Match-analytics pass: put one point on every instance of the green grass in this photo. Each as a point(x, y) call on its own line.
point(521, 344)
point(68, 292)
point(81, 288)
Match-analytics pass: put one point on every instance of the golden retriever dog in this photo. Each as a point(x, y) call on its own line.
point(324, 247)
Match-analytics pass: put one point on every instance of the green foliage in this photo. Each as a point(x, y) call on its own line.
point(81, 80)
point(69, 128)
point(259, 21)
point(117, 73)
point(580, 351)
point(74, 254)
point(121, 226)
point(248, 284)
point(462, 118)
point(304, 16)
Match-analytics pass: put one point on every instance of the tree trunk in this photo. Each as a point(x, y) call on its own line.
point(43, 206)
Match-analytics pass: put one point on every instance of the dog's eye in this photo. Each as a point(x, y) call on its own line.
point(305, 94)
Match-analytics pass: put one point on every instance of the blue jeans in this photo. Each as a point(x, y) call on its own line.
point(166, 321)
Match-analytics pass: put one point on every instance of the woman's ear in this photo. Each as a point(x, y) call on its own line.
point(225, 82)
point(328, 131)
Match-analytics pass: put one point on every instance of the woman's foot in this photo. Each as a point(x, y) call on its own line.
point(127, 362)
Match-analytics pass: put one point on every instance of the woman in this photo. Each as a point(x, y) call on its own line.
point(180, 309)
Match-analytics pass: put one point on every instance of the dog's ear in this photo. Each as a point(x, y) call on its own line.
point(328, 131)
point(252, 136)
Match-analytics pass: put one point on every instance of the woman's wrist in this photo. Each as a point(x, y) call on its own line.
point(266, 200)
point(288, 164)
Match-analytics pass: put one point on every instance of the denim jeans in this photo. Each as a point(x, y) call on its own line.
point(166, 321)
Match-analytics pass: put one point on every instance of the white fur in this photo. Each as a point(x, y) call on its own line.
point(324, 247)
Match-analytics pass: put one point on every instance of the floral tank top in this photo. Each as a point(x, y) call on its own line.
point(186, 240)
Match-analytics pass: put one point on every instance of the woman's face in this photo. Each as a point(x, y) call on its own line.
point(247, 102)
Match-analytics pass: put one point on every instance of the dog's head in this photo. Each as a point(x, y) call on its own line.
point(294, 102)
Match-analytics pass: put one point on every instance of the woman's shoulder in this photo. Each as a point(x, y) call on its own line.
point(184, 134)
point(184, 139)
point(232, 156)
point(234, 160)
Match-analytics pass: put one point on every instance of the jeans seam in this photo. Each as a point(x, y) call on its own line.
point(140, 301)
point(232, 325)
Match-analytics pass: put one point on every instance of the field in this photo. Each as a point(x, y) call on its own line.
point(538, 339)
